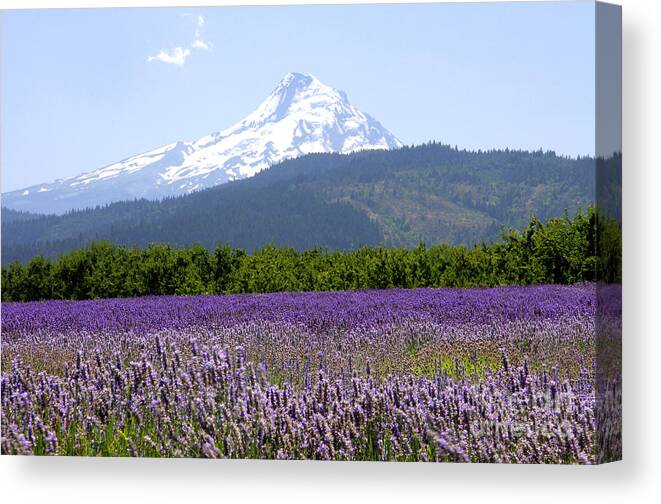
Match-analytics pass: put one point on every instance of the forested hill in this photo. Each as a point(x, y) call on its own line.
point(431, 193)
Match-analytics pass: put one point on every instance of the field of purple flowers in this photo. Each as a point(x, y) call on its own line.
point(472, 375)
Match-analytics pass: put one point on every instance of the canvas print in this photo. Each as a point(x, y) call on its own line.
point(341, 232)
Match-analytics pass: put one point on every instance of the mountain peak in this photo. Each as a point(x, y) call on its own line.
point(301, 116)
point(297, 79)
point(295, 91)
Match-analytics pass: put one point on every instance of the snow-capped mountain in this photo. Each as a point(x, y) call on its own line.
point(301, 116)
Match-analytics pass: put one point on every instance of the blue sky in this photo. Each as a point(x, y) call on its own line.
point(81, 89)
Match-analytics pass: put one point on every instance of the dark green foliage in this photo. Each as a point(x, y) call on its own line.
point(563, 250)
point(431, 193)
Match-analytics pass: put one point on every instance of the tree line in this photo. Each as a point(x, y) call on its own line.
point(563, 250)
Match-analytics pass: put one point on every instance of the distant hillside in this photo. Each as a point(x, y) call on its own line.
point(9, 215)
point(431, 193)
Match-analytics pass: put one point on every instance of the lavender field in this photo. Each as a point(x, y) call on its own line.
point(464, 375)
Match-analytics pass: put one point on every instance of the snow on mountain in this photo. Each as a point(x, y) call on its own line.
point(301, 116)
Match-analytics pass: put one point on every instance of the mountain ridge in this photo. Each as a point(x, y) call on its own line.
point(432, 193)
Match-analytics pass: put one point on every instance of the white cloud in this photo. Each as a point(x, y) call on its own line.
point(201, 44)
point(178, 55)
